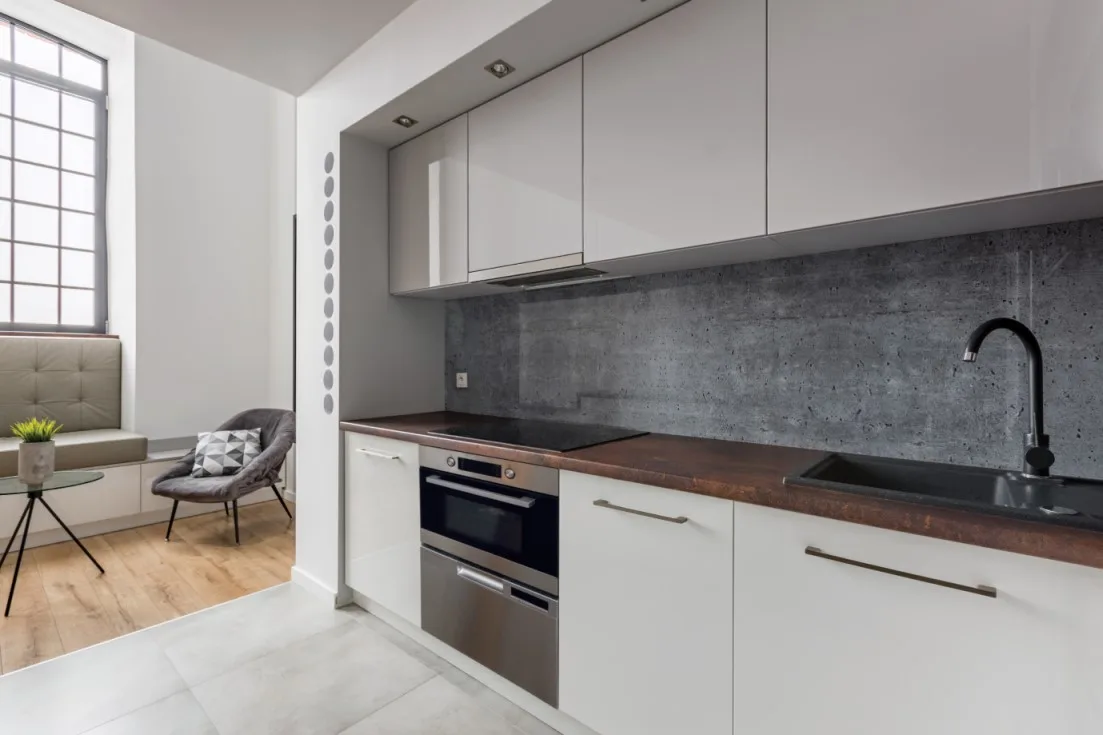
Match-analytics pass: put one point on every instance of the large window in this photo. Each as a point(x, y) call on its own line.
point(53, 156)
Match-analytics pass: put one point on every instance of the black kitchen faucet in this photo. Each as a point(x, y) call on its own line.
point(1037, 459)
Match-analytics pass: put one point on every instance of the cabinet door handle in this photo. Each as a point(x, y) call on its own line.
point(644, 513)
point(378, 455)
point(482, 580)
point(982, 590)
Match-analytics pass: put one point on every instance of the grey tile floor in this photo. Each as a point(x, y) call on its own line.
point(275, 662)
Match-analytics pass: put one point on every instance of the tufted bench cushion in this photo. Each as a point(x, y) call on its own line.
point(75, 380)
point(78, 382)
point(79, 449)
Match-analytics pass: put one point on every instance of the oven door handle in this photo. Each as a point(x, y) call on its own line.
point(508, 500)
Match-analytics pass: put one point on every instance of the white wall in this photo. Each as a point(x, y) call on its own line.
point(427, 37)
point(215, 173)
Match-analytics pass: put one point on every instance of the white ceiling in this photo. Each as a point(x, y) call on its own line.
point(288, 44)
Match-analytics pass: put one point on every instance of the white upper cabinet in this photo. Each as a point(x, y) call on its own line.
point(878, 108)
point(645, 608)
point(428, 209)
point(675, 131)
point(526, 174)
point(822, 646)
point(383, 523)
point(1066, 76)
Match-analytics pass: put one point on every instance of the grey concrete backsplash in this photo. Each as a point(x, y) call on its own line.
point(855, 351)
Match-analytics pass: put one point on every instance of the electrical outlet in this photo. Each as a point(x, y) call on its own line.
point(461, 380)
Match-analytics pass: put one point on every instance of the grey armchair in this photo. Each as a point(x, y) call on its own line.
point(276, 437)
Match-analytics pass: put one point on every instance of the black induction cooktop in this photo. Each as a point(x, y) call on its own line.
point(552, 436)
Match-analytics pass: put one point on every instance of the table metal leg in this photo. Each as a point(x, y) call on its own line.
point(19, 559)
point(71, 535)
point(15, 533)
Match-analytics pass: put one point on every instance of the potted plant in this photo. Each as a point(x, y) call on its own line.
point(36, 453)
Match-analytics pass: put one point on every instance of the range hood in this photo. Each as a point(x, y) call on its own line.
point(546, 279)
point(546, 273)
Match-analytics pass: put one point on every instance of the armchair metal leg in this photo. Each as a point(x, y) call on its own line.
point(226, 507)
point(280, 498)
point(172, 518)
point(237, 534)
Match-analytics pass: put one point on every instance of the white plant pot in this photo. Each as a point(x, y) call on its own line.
point(36, 462)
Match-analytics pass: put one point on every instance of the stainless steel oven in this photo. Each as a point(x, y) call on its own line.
point(503, 516)
point(490, 564)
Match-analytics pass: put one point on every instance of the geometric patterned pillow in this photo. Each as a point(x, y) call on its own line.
point(225, 452)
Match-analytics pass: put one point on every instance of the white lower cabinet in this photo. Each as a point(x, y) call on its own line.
point(383, 523)
point(825, 647)
point(645, 608)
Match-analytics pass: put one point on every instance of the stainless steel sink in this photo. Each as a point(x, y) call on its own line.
point(1068, 500)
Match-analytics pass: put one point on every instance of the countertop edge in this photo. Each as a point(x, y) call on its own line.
point(1057, 543)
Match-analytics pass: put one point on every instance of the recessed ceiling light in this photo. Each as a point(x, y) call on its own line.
point(499, 68)
point(405, 121)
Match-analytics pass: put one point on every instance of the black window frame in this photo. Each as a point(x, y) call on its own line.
point(99, 98)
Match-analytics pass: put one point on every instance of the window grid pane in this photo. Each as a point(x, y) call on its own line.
point(82, 69)
point(78, 268)
point(38, 184)
point(77, 308)
point(37, 52)
point(51, 182)
point(36, 264)
point(36, 304)
point(5, 40)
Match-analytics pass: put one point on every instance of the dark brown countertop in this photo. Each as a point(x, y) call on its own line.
point(752, 473)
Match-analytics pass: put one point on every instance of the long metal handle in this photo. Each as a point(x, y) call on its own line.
point(380, 455)
point(982, 590)
point(507, 499)
point(481, 579)
point(644, 513)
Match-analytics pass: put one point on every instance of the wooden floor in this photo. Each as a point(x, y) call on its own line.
point(62, 603)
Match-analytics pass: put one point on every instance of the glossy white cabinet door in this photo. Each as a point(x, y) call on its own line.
point(383, 523)
point(824, 647)
point(526, 172)
point(879, 107)
point(675, 131)
point(1066, 76)
point(428, 209)
point(645, 609)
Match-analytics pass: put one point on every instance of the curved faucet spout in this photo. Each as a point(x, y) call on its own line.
point(1038, 457)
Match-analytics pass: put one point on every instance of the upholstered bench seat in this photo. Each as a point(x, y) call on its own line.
point(79, 449)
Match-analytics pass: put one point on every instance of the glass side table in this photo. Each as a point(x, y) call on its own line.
point(34, 493)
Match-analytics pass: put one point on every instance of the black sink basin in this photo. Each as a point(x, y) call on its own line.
point(1067, 500)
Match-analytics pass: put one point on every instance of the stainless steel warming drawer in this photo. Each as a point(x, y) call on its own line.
point(511, 629)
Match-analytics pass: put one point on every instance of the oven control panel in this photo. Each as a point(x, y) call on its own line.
point(518, 474)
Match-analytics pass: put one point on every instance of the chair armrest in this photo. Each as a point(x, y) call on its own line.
point(181, 468)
